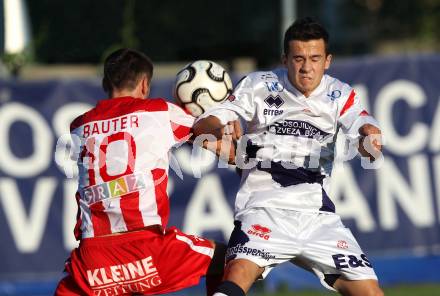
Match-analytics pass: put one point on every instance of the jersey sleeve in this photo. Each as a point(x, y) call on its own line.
point(181, 123)
point(240, 103)
point(77, 122)
point(352, 116)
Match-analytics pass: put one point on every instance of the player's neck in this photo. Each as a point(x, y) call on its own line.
point(119, 94)
point(135, 93)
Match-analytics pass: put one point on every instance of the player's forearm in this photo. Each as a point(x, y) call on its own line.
point(224, 149)
point(370, 142)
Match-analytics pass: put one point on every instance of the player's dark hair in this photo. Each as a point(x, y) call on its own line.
point(305, 29)
point(124, 68)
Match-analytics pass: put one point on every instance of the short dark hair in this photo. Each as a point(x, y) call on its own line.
point(305, 29)
point(124, 68)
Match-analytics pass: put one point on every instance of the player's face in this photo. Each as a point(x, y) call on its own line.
point(306, 62)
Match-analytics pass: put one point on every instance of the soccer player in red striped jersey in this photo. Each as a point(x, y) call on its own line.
point(125, 245)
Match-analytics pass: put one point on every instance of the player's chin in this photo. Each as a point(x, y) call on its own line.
point(306, 84)
point(306, 89)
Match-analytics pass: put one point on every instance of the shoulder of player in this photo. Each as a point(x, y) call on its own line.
point(337, 90)
point(81, 119)
point(77, 122)
point(150, 104)
point(156, 104)
point(256, 78)
point(175, 107)
point(265, 75)
point(134, 105)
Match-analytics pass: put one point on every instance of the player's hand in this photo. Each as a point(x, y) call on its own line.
point(208, 125)
point(233, 129)
point(231, 133)
point(225, 148)
point(370, 143)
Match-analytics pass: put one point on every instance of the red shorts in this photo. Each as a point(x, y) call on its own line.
point(144, 262)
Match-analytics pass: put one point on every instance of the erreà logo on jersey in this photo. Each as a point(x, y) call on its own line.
point(272, 101)
point(260, 231)
point(297, 128)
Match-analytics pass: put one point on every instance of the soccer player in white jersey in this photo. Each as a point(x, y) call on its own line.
point(282, 210)
point(125, 245)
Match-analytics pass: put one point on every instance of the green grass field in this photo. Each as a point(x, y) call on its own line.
point(403, 290)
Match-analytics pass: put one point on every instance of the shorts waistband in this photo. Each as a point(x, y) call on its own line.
point(123, 237)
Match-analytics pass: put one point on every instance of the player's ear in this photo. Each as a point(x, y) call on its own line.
point(284, 59)
point(328, 60)
point(145, 87)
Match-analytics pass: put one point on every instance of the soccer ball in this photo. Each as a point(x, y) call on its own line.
point(201, 85)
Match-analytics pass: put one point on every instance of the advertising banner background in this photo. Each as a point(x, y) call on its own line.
point(393, 211)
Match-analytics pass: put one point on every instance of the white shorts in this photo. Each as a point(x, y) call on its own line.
point(317, 242)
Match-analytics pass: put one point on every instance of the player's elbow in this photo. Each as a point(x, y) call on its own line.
point(199, 128)
point(209, 125)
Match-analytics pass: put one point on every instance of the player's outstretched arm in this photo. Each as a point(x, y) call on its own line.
point(370, 142)
point(212, 135)
point(225, 148)
point(213, 126)
point(209, 125)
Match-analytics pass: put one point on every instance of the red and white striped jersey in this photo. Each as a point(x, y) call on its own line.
point(123, 163)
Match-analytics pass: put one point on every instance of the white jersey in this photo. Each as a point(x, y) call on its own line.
point(290, 139)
